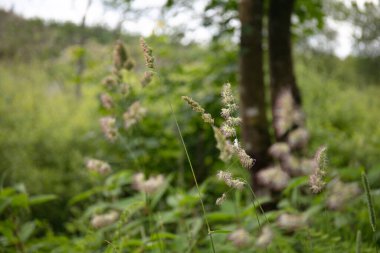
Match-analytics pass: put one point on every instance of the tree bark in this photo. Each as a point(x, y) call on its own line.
point(280, 53)
point(255, 127)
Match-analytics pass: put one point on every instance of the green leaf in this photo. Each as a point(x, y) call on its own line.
point(40, 199)
point(130, 205)
point(163, 235)
point(27, 230)
point(160, 193)
point(85, 195)
point(294, 183)
point(20, 200)
point(4, 203)
point(220, 216)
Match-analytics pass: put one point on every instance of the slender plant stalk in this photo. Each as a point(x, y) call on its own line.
point(151, 224)
point(161, 227)
point(359, 242)
point(371, 209)
point(195, 179)
point(255, 199)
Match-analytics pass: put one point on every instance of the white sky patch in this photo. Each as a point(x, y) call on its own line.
point(344, 41)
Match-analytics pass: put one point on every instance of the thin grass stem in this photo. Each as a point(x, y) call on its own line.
point(358, 242)
point(258, 203)
point(195, 179)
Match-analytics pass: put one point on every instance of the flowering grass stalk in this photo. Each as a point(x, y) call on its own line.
point(224, 144)
point(149, 62)
point(316, 180)
point(371, 209)
point(195, 179)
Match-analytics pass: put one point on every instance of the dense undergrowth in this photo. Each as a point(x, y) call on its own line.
point(49, 201)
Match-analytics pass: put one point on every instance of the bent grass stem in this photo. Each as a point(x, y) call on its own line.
point(195, 179)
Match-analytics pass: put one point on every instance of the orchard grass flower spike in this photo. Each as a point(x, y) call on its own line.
point(227, 178)
point(371, 208)
point(316, 180)
point(147, 78)
point(148, 54)
point(225, 147)
point(207, 118)
point(220, 200)
point(120, 56)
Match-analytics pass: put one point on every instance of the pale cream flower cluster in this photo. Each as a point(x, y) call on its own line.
point(149, 186)
point(103, 220)
point(282, 152)
point(227, 178)
point(265, 238)
point(274, 178)
point(291, 222)
point(298, 138)
point(230, 181)
point(339, 194)
point(279, 150)
point(108, 126)
point(239, 238)
point(134, 114)
point(106, 101)
point(98, 166)
point(286, 113)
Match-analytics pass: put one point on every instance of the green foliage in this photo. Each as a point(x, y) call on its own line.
point(341, 113)
point(46, 134)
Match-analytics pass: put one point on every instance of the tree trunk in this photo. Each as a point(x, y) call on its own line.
point(280, 53)
point(255, 128)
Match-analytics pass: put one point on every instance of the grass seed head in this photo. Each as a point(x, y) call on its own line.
point(120, 55)
point(148, 53)
point(106, 101)
point(108, 126)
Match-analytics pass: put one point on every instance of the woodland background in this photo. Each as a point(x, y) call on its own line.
point(50, 84)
